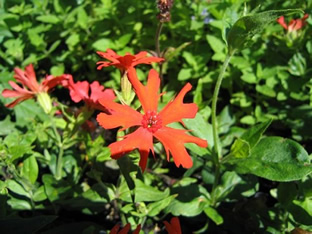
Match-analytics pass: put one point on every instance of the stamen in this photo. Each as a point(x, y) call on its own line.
point(151, 121)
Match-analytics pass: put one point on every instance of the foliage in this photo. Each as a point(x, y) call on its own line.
point(57, 174)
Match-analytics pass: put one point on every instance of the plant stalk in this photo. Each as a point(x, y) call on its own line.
point(217, 156)
point(217, 148)
point(59, 166)
point(158, 31)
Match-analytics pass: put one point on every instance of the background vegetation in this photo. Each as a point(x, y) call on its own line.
point(271, 79)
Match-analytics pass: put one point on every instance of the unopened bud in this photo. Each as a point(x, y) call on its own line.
point(164, 7)
point(45, 101)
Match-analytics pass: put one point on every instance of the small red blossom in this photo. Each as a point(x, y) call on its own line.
point(125, 62)
point(174, 226)
point(30, 86)
point(125, 229)
point(89, 93)
point(152, 123)
point(294, 24)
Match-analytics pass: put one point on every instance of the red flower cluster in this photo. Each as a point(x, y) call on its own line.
point(89, 93)
point(123, 63)
point(148, 125)
point(294, 24)
point(125, 229)
point(30, 86)
point(151, 123)
point(174, 226)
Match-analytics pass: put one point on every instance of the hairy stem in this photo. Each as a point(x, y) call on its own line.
point(217, 156)
point(59, 166)
point(158, 31)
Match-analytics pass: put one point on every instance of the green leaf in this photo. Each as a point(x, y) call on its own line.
point(247, 26)
point(228, 182)
point(15, 187)
point(57, 70)
point(103, 44)
point(145, 193)
point(123, 40)
point(51, 19)
point(200, 128)
point(156, 207)
point(216, 44)
point(277, 159)
point(39, 194)
point(30, 169)
point(185, 74)
point(242, 146)
point(172, 52)
point(17, 151)
point(297, 65)
point(26, 111)
point(55, 190)
point(72, 40)
point(82, 18)
point(213, 215)
point(191, 199)
point(6, 126)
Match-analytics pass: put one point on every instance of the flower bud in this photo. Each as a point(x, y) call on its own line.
point(45, 101)
point(164, 7)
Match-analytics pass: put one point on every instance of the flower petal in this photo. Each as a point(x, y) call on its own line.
point(140, 139)
point(97, 92)
point(51, 81)
point(27, 77)
point(18, 100)
point(147, 60)
point(281, 21)
point(148, 95)
point(140, 55)
point(174, 226)
point(174, 140)
point(125, 229)
point(115, 229)
point(176, 110)
point(137, 230)
point(121, 115)
point(79, 91)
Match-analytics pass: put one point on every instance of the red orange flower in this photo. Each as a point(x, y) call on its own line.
point(89, 93)
point(30, 86)
point(174, 226)
point(152, 123)
point(294, 24)
point(125, 229)
point(125, 62)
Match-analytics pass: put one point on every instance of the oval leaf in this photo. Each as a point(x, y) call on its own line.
point(277, 159)
point(248, 26)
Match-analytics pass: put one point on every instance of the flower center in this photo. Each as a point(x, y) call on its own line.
point(151, 121)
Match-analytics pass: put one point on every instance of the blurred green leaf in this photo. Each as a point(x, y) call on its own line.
point(213, 215)
point(156, 207)
point(147, 193)
point(247, 26)
point(30, 169)
point(15, 187)
point(51, 19)
point(277, 159)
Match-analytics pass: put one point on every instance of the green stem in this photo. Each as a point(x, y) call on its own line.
point(158, 31)
point(214, 109)
point(217, 156)
point(157, 46)
point(59, 166)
